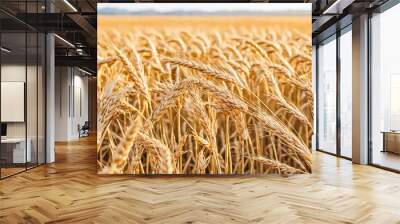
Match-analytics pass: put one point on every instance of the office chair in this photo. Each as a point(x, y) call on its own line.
point(84, 130)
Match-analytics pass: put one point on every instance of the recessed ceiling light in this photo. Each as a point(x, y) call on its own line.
point(84, 71)
point(337, 7)
point(70, 5)
point(64, 40)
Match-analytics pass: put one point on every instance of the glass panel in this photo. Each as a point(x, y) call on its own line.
point(22, 88)
point(327, 97)
point(385, 89)
point(31, 98)
point(13, 86)
point(346, 94)
point(41, 98)
point(314, 83)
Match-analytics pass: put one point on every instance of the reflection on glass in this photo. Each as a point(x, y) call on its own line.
point(346, 94)
point(41, 98)
point(327, 97)
point(31, 97)
point(14, 153)
point(386, 89)
point(22, 90)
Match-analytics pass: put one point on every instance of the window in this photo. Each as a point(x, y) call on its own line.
point(327, 96)
point(385, 89)
point(346, 93)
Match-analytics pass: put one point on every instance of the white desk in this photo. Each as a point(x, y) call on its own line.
point(18, 144)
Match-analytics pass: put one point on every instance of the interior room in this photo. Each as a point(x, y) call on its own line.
point(25, 65)
point(56, 146)
point(22, 102)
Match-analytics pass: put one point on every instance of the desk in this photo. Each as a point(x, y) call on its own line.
point(391, 141)
point(13, 150)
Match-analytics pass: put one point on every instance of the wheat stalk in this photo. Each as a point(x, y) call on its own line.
point(181, 99)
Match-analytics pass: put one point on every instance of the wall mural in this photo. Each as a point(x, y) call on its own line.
point(204, 94)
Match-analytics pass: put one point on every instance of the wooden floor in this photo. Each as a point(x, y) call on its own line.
point(70, 191)
point(387, 159)
point(10, 171)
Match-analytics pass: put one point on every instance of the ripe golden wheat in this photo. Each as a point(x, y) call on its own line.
point(182, 100)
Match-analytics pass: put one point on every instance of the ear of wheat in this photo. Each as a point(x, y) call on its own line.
point(233, 98)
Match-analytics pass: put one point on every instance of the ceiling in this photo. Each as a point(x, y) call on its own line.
point(76, 22)
point(329, 16)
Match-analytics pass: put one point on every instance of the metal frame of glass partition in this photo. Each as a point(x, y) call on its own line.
point(337, 35)
point(40, 52)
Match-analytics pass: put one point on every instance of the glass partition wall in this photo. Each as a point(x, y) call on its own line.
point(334, 84)
point(13, 89)
point(385, 90)
point(22, 77)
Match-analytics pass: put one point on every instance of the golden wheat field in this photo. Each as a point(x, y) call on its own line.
point(204, 95)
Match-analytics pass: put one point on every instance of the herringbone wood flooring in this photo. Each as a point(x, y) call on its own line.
point(70, 191)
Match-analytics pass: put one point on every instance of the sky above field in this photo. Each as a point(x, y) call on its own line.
point(268, 8)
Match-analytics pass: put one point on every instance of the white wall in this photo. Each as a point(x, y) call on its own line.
point(61, 103)
point(12, 73)
point(80, 88)
point(70, 83)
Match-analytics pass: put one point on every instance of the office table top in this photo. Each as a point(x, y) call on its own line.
point(13, 140)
